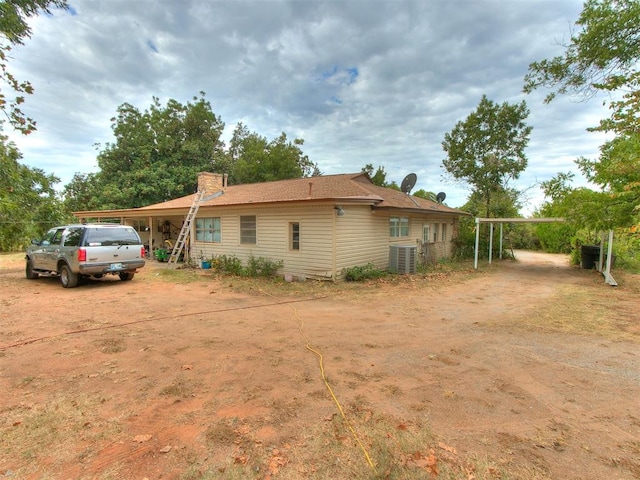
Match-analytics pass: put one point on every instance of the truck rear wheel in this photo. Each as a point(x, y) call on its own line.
point(126, 276)
point(68, 279)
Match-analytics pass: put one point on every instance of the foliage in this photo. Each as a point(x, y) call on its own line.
point(227, 264)
point(486, 150)
point(262, 267)
point(556, 237)
point(379, 177)
point(359, 273)
point(422, 193)
point(256, 266)
point(156, 156)
point(28, 202)
point(627, 249)
point(602, 56)
point(255, 159)
point(14, 29)
point(80, 193)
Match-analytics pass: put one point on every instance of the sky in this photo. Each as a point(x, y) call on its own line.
point(360, 81)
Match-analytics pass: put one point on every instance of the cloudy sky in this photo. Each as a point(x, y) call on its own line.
point(361, 81)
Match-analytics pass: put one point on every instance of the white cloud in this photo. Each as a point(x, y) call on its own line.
point(376, 82)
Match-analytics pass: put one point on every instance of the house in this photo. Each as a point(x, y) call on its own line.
point(317, 226)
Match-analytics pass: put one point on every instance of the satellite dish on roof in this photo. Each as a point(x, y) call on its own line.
point(440, 197)
point(408, 183)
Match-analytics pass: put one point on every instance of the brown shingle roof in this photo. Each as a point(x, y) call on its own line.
point(348, 187)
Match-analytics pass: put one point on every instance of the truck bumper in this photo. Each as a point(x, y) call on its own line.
point(112, 267)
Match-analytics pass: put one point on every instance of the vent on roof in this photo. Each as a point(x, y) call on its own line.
point(402, 258)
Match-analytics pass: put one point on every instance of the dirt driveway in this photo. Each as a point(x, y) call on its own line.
point(527, 369)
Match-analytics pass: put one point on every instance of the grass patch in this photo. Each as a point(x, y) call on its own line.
point(582, 310)
point(111, 345)
point(181, 387)
point(49, 433)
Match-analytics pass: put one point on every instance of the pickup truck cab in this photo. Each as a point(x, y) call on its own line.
point(77, 252)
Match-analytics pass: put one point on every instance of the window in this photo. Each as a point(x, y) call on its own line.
point(435, 232)
point(72, 237)
point(294, 235)
point(444, 232)
point(399, 226)
point(46, 240)
point(208, 229)
point(57, 238)
point(425, 234)
point(105, 236)
point(248, 229)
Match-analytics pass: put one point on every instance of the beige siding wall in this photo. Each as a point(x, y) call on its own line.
point(361, 237)
point(328, 242)
point(313, 259)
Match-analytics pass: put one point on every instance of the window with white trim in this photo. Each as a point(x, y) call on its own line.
point(399, 227)
point(425, 233)
point(435, 232)
point(444, 232)
point(208, 230)
point(248, 229)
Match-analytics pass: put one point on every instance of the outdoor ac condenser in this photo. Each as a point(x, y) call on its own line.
point(402, 258)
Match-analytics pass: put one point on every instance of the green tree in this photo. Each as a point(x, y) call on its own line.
point(255, 159)
point(486, 150)
point(13, 31)
point(603, 56)
point(379, 176)
point(80, 193)
point(28, 201)
point(602, 53)
point(422, 193)
point(157, 153)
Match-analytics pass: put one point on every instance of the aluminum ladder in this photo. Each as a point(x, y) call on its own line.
point(186, 228)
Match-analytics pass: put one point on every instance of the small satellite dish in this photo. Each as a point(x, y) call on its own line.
point(440, 197)
point(408, 183)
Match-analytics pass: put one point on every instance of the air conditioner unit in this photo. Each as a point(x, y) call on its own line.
point(402, 258)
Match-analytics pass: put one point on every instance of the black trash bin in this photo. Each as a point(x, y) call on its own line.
point(589, 256)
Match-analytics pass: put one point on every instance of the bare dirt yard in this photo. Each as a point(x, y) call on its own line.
point(526, 369)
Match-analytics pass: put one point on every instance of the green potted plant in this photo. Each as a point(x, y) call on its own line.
point(205, 264)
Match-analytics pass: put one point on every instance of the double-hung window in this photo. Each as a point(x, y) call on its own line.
point(248, 229)
point(444, 232)
point(435, 232)
point(425, 234)
point(208, 230)
point(399, 227)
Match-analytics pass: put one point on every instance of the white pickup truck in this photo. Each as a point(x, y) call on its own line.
point(77, 252)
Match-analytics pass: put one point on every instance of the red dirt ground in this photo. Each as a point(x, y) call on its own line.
point(533, 365)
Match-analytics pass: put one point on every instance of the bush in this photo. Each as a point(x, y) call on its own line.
point(227, 264)
point(362, 272)
point(256, 266)
point(262, 267)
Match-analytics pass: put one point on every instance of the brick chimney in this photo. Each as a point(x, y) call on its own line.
point(211, 182)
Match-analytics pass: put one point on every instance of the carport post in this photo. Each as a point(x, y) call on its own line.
point(490, 241)
point(501, 240)
point(475, 260)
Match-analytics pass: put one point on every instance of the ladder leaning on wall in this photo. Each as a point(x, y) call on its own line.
point(186, 228)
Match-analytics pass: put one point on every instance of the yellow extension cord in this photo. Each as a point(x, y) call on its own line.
point(326, 382)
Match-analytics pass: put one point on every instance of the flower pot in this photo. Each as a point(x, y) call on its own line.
point(204, 264)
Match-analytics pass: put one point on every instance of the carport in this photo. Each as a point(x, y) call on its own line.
point(608, 278)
